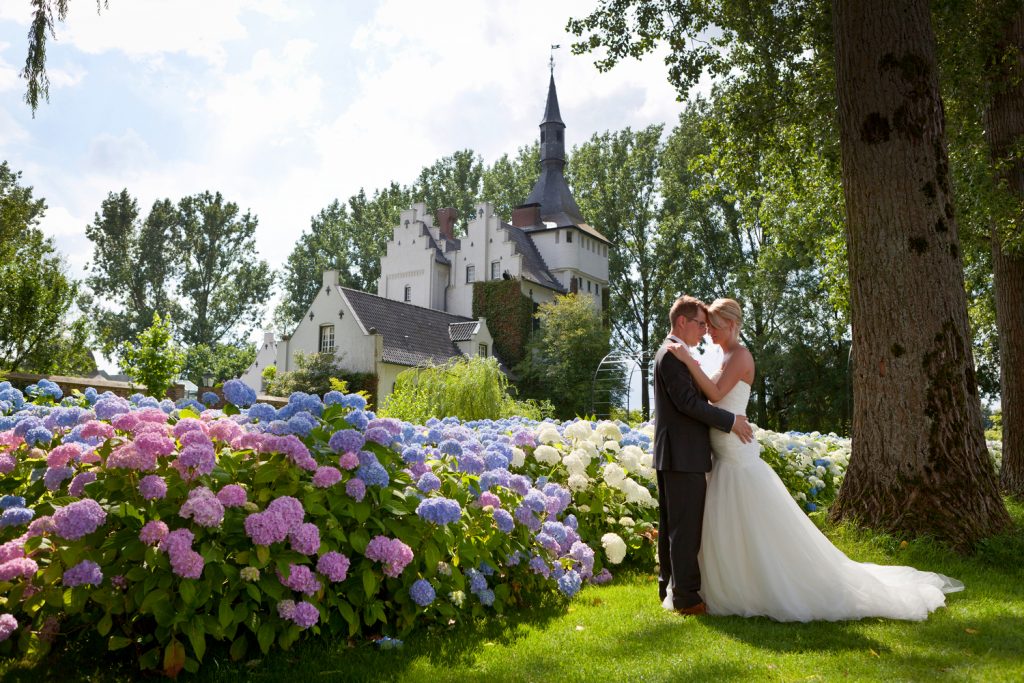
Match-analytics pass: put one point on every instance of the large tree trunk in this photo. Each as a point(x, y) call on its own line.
point(1005, 128)
point(919, 461)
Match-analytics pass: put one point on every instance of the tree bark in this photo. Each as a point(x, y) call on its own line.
point(1005, 128)
point(919, 463)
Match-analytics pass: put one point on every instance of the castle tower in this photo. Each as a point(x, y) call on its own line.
point(551, 191)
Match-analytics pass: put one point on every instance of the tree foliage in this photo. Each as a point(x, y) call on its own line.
point(211, 365)
point(195, 261)
point(131, 267)
point(452, 181)
point(314, 373)
point(563, 354)
point(44, 15)
point(37, 298)
point(155, 359)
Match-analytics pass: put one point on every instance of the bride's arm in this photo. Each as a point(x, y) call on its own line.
point(741, 365)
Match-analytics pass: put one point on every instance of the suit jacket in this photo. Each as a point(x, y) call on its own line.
point(682, 416)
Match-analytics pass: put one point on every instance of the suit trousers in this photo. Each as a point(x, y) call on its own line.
point(681, 518)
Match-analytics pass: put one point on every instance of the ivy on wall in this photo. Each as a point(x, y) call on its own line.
point(509, 315)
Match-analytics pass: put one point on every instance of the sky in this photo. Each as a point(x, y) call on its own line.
point(285, 105)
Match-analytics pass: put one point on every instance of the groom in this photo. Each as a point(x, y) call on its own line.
point(682, 457)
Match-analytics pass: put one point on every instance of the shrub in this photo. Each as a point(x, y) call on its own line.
point(469, 389)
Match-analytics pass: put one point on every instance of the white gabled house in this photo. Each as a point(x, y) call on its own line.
point(373, 334)
point(265, 355)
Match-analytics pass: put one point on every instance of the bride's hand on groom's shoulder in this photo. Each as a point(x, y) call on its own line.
point(682, 353)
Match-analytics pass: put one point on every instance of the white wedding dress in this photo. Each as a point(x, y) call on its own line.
point(762, 556)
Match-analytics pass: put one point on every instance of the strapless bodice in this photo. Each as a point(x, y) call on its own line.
point(736, 400)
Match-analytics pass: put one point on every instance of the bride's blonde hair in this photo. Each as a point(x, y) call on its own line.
point(721, 312)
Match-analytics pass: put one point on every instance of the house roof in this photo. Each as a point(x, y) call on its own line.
point(534, 267)
point(413, 335)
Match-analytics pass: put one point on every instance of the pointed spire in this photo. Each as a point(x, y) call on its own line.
point(551, 113)
point(551, 192)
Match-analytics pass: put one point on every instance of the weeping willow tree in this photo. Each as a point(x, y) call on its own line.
point(469, 389)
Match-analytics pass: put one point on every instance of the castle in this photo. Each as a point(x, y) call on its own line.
point(422, 311)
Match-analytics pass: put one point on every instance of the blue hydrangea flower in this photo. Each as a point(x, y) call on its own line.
point(413, 455)
point(262, 412)
point(477, 581)
point(422, 592)
point(346, 441)
point(333, 398)
point(373, 474)
point(486, 597)
point(503, 518)
point(439, 510)
point(570, 583)
point(238, 393)
point(16, 516)
point(38, 435)
point(355, 402)
point(428, 482)
point(209, 399)
point(12, 502)
point(358, 419)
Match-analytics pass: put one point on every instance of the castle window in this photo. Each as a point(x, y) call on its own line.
point(556, 236)
point(408, 292)
point(558, 135)
point(470, 274)
point(495, 270)
point(588, 285)
point(481, 350)
point(542, 136)
point(326, 339)
point(568, 236)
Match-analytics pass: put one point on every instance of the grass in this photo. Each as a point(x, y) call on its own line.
point(619, 632)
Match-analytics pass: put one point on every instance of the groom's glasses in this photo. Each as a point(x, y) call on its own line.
point(700, 323)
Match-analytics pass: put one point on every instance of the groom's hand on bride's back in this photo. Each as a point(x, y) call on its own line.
point(741, 428)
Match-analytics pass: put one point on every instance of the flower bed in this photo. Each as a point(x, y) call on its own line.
point(167, 526)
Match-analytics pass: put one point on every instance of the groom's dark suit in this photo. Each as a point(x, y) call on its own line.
point(682, 457)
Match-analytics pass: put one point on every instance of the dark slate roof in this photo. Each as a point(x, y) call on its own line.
point(460, 332)
point(438, 252)
point(413, 335)
point(534, 267)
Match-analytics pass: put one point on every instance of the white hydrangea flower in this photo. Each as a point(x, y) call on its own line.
point(612, 446)
point(518, 457)
point(627, 521)
point(647, 430)
point(588, 447)
point(583, 508)
point(584, 454)
point(609, 431)
point(648, 473)
point(613, 475)
point(547, 455)
point(614, 548)
point(548, 434)
point(575, 464)
point(578, 482)
point(578, 430)
point(637, 493)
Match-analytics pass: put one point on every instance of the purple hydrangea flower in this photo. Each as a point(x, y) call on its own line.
point(355, 488)
point(428, 482)
point(78, 519)
point(333, 565)
point(153, 532)
point(392, 552)
point(305, 615)
point(152, 487)
point(85, 572)
point(305, 539)
point(504, 520)
point(232, 496)
point(77, 486)
point(8, 624)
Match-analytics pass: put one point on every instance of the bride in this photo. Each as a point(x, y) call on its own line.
point(761, 555)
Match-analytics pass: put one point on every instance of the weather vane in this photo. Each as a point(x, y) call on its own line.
point(552, 60)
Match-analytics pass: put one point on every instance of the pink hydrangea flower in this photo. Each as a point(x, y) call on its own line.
point(203, 508)
point(152, 487)
point(333, 565)
point(395, 554)
point(63, 454)
point(326, 477)
point(300, 578)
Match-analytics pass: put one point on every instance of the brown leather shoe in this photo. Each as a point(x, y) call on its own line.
point(697, 610)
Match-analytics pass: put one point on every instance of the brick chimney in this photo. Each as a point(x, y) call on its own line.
point(526, 215)
point(446, 222)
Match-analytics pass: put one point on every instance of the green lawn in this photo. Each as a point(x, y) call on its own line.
point(619, 632)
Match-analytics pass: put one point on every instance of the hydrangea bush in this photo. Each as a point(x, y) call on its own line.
point(165, 526)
